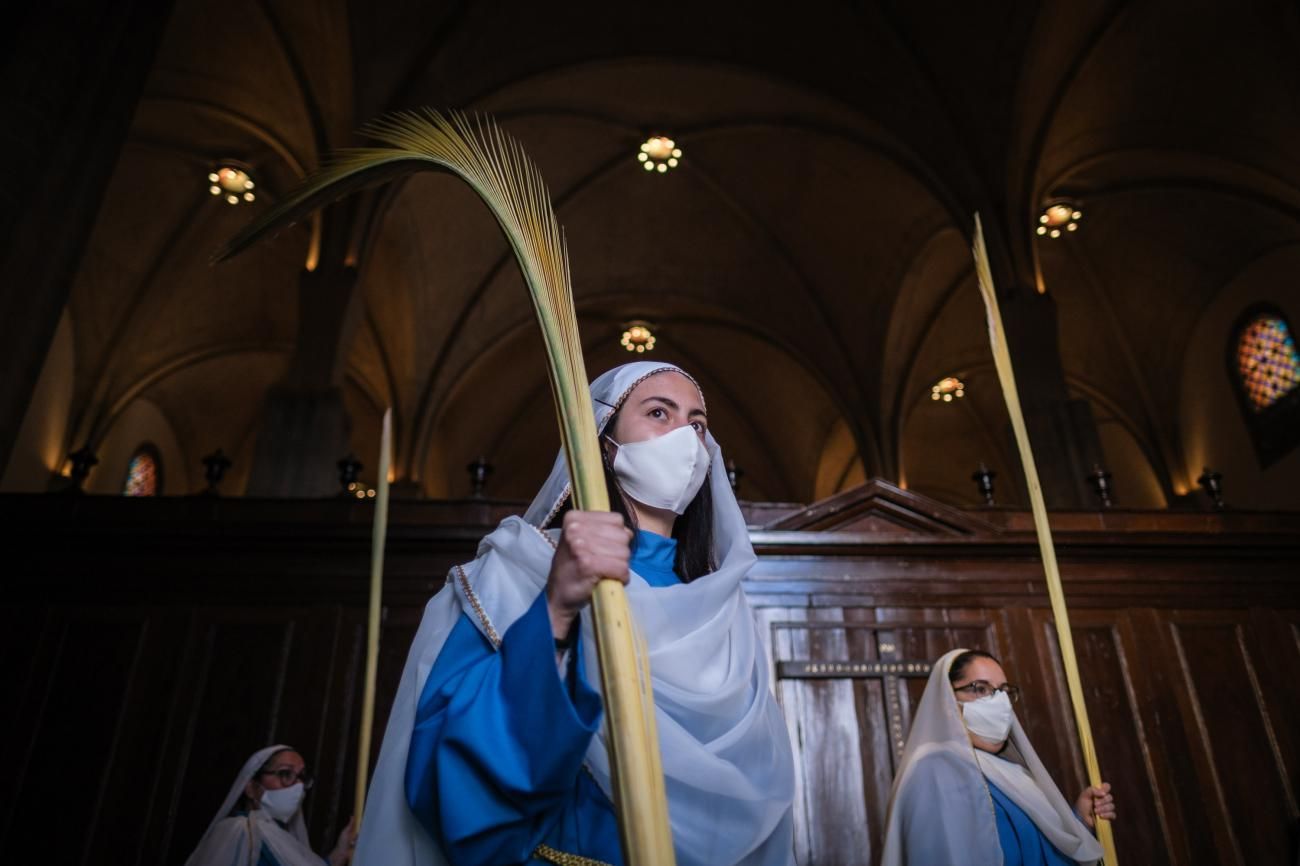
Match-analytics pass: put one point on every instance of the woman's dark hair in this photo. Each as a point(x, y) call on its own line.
point(693, 530)
point(958, 668)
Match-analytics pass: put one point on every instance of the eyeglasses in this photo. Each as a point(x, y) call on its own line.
point(287, 776)
point(983, 689)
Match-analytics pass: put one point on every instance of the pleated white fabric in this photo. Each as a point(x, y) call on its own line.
point(941, 810)
point(728, 765)
point(237, 840)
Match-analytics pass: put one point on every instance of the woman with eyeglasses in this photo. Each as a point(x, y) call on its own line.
point(970, 789)
point(260, 822)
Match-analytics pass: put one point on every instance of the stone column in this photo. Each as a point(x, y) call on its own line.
point(1062, 430)
point(305, 425)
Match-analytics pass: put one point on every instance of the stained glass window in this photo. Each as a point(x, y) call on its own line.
point(1267, 361)
point(142, 474)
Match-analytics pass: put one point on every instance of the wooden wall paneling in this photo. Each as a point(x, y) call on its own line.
point(832, 756)
point(1063, 759)
point(1271, 636)
point(765, 614)
point(1277, 699)
point(1119, 737)
point(1192, 799)
point(1281, 659)
point(1028, 660)
point(312, 691)
point(228, 653)
point(237, 691)
point(875, 734)
point(928, 633)
point(335, 760)
point(1160, 737)
point(20, 634)
point(29, 650)
point(163, 778)
point(99, 650)
point(124, 824)
point(790, 643)
point(397, 631)
point(1236, 733)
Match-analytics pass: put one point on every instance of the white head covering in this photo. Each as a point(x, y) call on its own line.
point(941, 810)
point(728, 765)
point(238, 839)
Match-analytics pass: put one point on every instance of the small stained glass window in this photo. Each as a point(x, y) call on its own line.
point(142, 474)
point(1267, 361)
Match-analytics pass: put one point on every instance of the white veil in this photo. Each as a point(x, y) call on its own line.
point(227, 837)
point(728, 765)
point(941, 810)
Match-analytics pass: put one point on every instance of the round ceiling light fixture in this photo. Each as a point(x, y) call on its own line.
point(638, 337)
point(1058, 216)
point(231, 182)
point(658, 154)
point(947, 389)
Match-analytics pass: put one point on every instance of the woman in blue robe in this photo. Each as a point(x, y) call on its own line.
point(495, 751)
point(488, 804)
point(970, 789)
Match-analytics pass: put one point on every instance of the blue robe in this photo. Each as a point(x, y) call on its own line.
point(495, 767)
point(1023, 844)
point(265, 857)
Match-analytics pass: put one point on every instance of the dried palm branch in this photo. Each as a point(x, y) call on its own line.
point(1060, 613)
point(476, 150)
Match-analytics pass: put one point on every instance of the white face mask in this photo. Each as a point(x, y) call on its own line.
point(282, 803)
point(664, 472)
point(989, 718)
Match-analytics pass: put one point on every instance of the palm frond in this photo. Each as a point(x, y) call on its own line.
point(494, 164)
point(1055, 591)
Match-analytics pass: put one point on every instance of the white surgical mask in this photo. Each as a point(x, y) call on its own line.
point(664, 472)
point(282, 803)
point(989, 718)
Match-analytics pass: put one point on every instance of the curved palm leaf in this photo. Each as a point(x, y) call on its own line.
point(475, 149)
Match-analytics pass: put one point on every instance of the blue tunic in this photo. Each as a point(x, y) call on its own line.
point(495, 764)
point(264, 856)
point(1023, 844)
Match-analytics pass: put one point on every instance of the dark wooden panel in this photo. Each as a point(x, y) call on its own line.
point(1270, 639)
point(1236, 735)
point(842, 727)
point(73, 745)
point(249, 625)
point(1200, 832)
point(128, 799)
point(1120, 741)
point(828, 749)
point(398, 630)
point(236, 687)
point(27, 653)
point(320, 659)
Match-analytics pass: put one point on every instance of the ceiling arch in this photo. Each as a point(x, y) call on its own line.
point(818, 223)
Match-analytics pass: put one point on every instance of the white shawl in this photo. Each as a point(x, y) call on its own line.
point(728, 765)
point(237, 840)
point(941, 810)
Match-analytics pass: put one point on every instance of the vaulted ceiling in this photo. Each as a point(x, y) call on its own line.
point(808, 260)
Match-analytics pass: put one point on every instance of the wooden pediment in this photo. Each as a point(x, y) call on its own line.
point(881, 507)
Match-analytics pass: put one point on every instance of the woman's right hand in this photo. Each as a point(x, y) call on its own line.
point(1094, 803)
point(342, 852)
point(593, 545)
